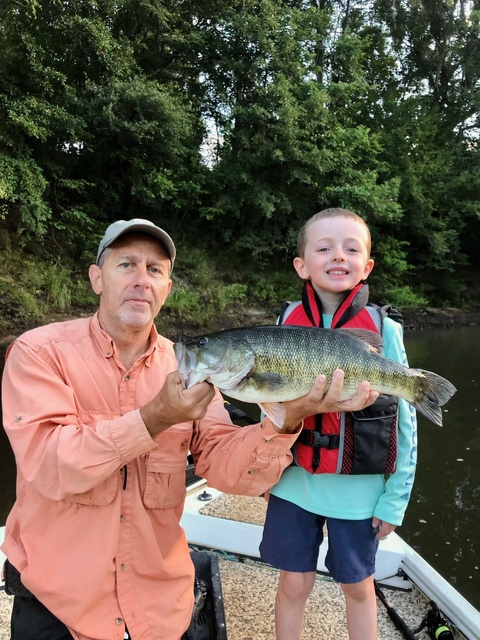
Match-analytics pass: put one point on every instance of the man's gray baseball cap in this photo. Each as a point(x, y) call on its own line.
point(138, 225)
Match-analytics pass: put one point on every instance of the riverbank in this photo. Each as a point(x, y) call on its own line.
point(174, 328)
point(432, 318)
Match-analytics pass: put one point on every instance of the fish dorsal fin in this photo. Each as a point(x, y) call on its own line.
point(372, 341)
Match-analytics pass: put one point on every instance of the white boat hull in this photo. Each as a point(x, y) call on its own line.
point(394, 557)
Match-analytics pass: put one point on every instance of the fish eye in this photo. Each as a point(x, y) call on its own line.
point(202, 342)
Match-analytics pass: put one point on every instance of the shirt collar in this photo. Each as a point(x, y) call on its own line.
point(107, 345)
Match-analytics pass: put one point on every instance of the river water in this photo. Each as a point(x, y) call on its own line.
point(443, 519)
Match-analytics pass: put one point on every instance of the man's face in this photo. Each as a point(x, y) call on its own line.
point(133, 282)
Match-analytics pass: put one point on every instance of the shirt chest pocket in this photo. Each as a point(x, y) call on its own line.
point(100, 495)
point(166, 465)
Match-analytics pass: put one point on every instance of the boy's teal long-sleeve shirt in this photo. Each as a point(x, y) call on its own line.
point(356, 497)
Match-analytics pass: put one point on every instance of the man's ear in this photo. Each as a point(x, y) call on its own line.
point(168, 291)
point(301, 269)
point(95, 275)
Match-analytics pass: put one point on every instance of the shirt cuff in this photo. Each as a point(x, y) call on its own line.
point(271, 429)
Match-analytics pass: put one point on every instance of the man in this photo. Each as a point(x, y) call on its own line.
point(101, 428)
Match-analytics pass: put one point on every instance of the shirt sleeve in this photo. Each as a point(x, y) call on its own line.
point(54, 450)
point(239, 460)
point(393, 503)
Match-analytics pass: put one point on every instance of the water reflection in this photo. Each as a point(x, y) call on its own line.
point(442, 519)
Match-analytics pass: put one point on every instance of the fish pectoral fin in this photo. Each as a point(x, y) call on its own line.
point(268, 381)
point(275, 411)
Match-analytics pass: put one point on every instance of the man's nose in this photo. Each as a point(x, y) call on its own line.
point(141, 277)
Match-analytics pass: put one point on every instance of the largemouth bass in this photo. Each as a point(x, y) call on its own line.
point(268, 365)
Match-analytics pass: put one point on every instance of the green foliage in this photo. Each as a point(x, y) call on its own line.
point(19, 307)
point(104, 108)
point(404, 298)
point(274, 288)
point(201, 292)
point(32, 290)
point(22, 188)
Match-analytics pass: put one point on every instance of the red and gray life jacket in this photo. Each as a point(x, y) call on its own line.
point(359, 442)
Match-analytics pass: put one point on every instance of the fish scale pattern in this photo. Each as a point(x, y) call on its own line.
point(272, 364)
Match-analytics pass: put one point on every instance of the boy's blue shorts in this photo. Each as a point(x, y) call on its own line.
point(292, 538)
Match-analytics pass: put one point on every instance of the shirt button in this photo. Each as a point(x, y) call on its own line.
point(122, 567)
point(127, 378)
point(269, 441)
point(251, 471)
point(122, 518)
point(119, 621)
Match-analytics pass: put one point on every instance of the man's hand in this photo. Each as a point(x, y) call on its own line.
point(317, 401)
point(174, 404)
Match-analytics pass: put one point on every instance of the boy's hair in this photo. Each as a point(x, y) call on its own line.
point(334, 212)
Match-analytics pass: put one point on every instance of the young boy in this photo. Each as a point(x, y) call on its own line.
point(357, 480)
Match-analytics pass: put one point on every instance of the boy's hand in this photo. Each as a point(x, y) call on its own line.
point(317, 401)
point(382, 529)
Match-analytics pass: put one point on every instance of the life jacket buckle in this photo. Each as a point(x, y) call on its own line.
point(317, 439)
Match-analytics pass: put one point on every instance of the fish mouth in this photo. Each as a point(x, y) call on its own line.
point(185, 361)
point(188, 368)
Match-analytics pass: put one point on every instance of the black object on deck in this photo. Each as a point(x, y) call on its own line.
point(209, 614)
point(394, 616)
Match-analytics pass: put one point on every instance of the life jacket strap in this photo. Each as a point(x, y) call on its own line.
point(317, 439)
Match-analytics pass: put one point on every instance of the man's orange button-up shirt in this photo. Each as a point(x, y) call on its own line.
point(95, 527)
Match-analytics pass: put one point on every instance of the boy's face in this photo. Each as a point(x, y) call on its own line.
point(336, 256)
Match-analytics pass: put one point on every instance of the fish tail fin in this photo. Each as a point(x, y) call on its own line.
point(435, 392)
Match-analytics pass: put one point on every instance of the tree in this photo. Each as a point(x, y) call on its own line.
point(372, 106)
point(99, 137)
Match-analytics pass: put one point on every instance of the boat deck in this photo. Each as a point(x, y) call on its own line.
point(248, 586)
point(249, 593)
point(248, 590)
